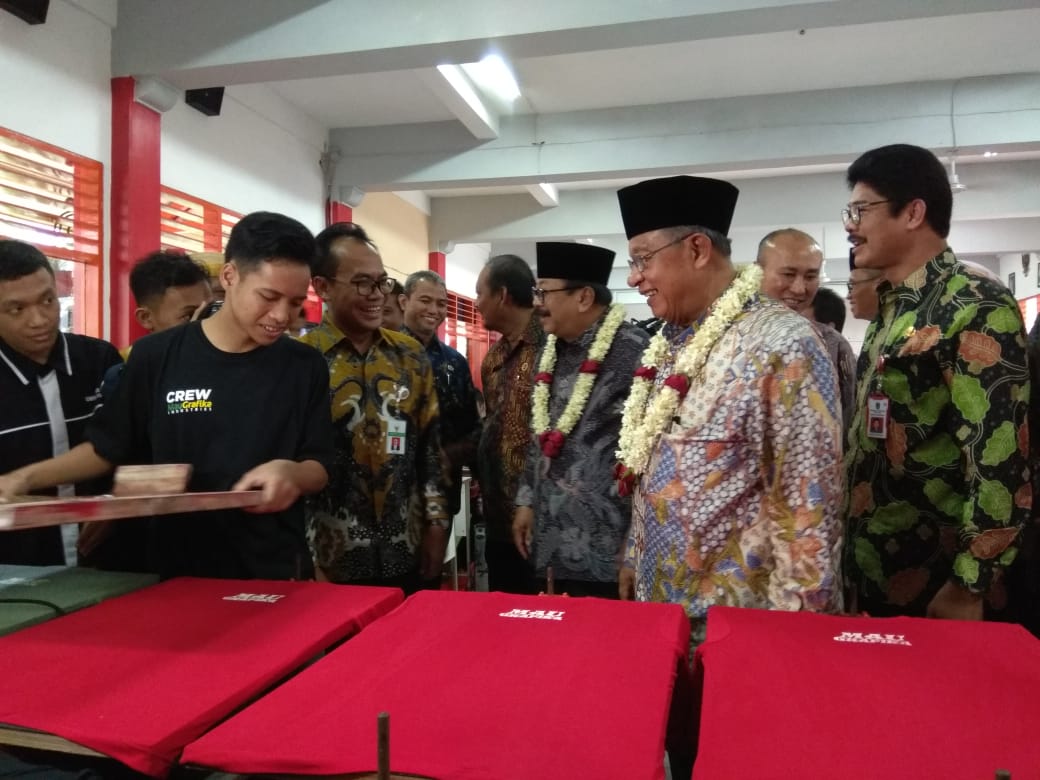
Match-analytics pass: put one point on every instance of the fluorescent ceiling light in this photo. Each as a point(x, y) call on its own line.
point(493, 74)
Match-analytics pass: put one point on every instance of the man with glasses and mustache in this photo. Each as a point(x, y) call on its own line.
point(731, 438)
point(569, 515)
point(938, 480)
point(383, 518)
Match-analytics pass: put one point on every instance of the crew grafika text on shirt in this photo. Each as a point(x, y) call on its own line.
point(194, 399)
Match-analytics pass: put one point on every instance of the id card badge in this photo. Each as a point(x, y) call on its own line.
point(877, 416)
point(396, 435)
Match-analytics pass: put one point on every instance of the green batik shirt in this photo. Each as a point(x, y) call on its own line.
point(944, 494)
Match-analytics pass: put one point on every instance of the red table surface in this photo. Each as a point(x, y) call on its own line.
point(139, 676)
point(475, 695)
point(894, 698)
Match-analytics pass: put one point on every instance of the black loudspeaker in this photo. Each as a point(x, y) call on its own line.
point(206, 100)
point(30, 11)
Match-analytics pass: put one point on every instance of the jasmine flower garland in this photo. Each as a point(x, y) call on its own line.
point(649, 410)
point(551, 439)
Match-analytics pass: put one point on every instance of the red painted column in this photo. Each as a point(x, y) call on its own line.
point(337, 212)
point(136, 137)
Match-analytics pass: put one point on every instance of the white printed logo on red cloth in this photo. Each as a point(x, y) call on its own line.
point(872, 639)
point(265, 598)
point(533, 614)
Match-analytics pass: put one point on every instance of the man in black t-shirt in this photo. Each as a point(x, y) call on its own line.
point(246, 406)
point(49, 389)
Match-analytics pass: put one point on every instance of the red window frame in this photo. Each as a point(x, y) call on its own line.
point(54, 199)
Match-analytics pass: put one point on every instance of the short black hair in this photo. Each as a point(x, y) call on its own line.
point(264, 235)
point(901, 173)
point(18, 259)
point(156, 273)
point(514, 274)
point(828, 307)
point(327, 265)
point(602, 294)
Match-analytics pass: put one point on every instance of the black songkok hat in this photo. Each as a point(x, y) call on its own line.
point(677, 201)
point(574, 262)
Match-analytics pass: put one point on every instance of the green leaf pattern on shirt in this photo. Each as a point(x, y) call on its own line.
point(952, 467)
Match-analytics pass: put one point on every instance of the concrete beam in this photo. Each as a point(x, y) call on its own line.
point(454, 89)
point(731, 134)
point(200, 43)
point(997, 191)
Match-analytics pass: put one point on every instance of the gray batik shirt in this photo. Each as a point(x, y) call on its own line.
point(580, 521)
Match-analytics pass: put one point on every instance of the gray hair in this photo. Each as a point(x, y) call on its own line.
point(719, 241)
point(422, 276)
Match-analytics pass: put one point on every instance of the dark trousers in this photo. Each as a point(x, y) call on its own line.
point(508, 572)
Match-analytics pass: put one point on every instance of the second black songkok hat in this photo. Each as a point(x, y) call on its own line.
point(575, 262)
point(676, 201)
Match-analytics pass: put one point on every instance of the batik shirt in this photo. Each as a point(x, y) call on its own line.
point(384, 489)
point(508, 379)
point(943, 495)
point(459, 419)
point(581, 523)
point(844, 360)
point(741, 499)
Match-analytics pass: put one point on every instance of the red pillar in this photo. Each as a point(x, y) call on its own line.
point(136, 135)
point(337, 212)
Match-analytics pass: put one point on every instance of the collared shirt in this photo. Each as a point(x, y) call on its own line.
point(580, 521)
point(43, 413)
point(943, 496)
point(387, 484)
point(508, 379)
point(844, 360)
point(740, 502)
point(459, 419)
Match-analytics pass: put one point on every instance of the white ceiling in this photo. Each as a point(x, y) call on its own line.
point(778, 94)
point(982, 44)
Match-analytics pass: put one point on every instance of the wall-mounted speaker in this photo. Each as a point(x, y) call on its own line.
point(351, 195)
point(30, 11)
point(155, 93)
point(206, 100)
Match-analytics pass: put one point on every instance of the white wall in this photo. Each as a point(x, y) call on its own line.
point(260, 153)
point(1027, 283)
point(57, 88)
point(462, 267)
point(56, 80)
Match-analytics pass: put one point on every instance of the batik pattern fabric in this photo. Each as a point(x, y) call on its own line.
point(741, 499)
point(581, 523)
point(943, 496)
point(508, 378)
point(844, 360)
point(459, 419)
point(369, 521)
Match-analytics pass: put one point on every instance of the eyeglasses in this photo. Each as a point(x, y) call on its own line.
point(638, 263)
point(851, 214)
point(366, 287)
point(851, 283)
point(539, 294)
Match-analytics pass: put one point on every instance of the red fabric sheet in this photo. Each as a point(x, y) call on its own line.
point(894, 698)
point(474, 695)
point(139, 676)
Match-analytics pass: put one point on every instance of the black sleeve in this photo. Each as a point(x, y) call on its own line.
point(316, 432)
point(119, 429)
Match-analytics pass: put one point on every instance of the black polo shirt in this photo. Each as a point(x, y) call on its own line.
point(44, 411)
